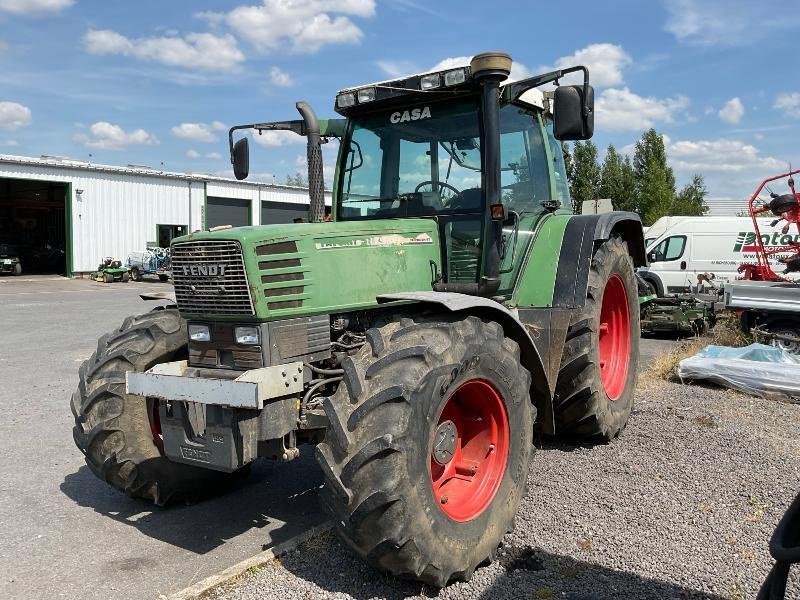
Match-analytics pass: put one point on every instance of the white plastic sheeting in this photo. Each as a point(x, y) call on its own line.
point(757, 369)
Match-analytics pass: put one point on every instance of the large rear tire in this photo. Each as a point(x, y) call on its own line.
point(428, 448)
point(597, 378)
point(119, 433)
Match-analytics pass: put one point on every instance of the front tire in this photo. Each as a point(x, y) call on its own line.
point(117, 432)
point(428, 448)
point(597, 378)
point(17, 269)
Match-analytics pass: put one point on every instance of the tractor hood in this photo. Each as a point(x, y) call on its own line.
point(301, 269)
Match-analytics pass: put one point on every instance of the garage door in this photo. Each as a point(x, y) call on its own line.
point(227, 211)
point(275, 213)
point(33, 223)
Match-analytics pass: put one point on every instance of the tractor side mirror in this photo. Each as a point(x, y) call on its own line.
point(573, 117)
point(240, 157)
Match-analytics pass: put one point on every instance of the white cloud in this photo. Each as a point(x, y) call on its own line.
point(397, 68)
point(272, 139)
point(518, 70)
point(722, 155)
point(789, 103)
point(34, 7)
point(197, 132)
point(299, 25)
point(622, 110)
point(107, 136)
point(202, 51)
point(605, 62)
point(732, 112)
point(194, 154)
point(280, 78)
point(9, 143)
point(14, 116)
point(726, 22)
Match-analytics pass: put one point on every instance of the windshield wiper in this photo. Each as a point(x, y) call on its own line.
point(400, 197)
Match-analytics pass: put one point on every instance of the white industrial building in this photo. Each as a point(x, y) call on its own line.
point(92, 211)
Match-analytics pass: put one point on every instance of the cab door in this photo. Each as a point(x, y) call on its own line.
point(526, 183)
point(669, 260)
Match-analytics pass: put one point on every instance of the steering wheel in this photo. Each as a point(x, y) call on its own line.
point(446, 199)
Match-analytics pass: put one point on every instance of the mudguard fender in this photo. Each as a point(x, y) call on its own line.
point(512, 327)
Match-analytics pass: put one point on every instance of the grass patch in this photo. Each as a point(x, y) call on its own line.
point(665, 366)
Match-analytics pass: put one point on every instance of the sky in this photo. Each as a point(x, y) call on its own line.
point(159, 82)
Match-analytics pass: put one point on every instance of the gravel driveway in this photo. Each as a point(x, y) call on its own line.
point(681, 506)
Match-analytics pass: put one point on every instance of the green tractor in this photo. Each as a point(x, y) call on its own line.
point(452, 308)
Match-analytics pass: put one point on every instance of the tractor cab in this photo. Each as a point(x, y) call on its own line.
point(479, 156)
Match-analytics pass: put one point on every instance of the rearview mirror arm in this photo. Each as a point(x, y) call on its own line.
point(512, 91)
point(297, 126)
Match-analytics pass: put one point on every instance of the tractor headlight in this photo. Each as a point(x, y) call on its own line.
point(199, 333)
point(346, 100)
point(455, 77)
point(247, 336)
point(429, 82)
point(366, 95)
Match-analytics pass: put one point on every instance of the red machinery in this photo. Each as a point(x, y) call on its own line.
point(786, 207)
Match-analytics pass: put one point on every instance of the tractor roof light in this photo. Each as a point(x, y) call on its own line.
point(366, 95)
point(455, 77)
point(430, 81)
point(345, 100)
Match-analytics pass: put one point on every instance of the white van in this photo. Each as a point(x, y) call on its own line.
point(655, 230)
point(711, 248)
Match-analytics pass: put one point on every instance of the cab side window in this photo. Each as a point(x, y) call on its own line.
point(670, 249)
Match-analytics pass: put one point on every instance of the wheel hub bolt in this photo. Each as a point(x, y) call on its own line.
point(444, 500)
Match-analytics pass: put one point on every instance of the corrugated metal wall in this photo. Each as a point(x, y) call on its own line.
point(117, 213)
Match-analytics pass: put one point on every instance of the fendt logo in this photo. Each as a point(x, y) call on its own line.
point(415, 114)
point(204, 270)
point(746, 240)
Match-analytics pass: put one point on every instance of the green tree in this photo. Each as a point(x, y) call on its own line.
point(655, 181)
point(297, 179)
point(691, 200)
point(618, 181)
point(585, 180)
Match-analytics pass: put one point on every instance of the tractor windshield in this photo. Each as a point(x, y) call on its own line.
point(425, 160)
point(416, 161)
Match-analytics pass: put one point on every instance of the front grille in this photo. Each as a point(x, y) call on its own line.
point(209, 278)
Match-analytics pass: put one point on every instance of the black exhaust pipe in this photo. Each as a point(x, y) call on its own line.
point(316, 182)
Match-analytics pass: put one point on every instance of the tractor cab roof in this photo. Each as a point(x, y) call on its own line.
point(452, 83)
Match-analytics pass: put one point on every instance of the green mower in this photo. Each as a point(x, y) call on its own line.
point(110, 270)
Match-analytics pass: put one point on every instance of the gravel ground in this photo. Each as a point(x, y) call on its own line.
point(681, 506)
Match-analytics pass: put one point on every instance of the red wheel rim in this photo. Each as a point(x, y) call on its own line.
point(466, 483)
point(155, 424)
point(615, 337)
